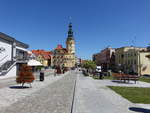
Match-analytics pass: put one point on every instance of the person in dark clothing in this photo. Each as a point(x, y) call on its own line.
point(100, 75)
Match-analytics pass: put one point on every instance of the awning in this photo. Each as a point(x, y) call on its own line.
point(34, 63)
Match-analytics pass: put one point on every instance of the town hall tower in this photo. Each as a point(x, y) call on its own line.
point(70, 42)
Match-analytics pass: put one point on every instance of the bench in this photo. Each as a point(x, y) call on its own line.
point(125, 77)
point(133, 78)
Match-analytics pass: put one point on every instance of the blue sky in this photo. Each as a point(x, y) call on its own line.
point(96, 23)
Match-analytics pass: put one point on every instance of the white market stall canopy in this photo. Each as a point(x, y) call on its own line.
point(34, 63)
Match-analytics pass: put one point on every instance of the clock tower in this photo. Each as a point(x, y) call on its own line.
point(70, 42)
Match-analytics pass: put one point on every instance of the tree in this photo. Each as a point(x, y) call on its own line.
point(88, 64)
point(25, 75)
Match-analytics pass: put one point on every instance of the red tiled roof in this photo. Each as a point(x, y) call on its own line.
point(43, 53)
point(59, 46)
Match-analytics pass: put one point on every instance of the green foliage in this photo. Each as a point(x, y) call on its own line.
point(88, 64)
point(39, 67)
point(133, 94)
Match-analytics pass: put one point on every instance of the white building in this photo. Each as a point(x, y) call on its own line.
point(13, 53)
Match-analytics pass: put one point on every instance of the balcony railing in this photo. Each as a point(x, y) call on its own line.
point(21, 59)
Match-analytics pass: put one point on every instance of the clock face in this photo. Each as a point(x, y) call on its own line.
point(2, 49)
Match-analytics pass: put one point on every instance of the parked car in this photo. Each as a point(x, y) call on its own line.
point(98, 69)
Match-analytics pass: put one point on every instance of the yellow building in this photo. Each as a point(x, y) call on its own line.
point(70, 46)
point(133, 59)
point(39, 58)
point(119, 55)
point(69, 60)
point(65, 57)
point(44, 57)
point(143, 63)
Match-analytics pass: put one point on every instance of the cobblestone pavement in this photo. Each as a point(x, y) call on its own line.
point(53, 98)
point(7, 82)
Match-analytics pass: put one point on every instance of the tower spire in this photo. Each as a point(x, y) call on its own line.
point(70, 32)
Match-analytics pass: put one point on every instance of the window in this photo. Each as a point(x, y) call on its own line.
point(131, 62)
point(134, 54)
point(128, 62)
point(135, 62)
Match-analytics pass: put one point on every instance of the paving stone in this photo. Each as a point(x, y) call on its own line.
point(51, 98)
point(94, 97)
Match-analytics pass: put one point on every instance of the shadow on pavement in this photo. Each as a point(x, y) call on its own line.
point(141, 110)
point(18, 87)
point(121, 82)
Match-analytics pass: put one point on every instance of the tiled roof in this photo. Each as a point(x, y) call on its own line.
point(59, 46)
point(45, 54)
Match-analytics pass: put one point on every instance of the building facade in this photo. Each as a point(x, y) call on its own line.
point(13, 53)
point(59, 56)
point(96, 58)
point(143, 63)
point(44, 57)
point(65, 57)
point(105, 58)
point(70, 46)
point(132, 60)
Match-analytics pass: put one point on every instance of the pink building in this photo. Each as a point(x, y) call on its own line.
point(105, 58)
